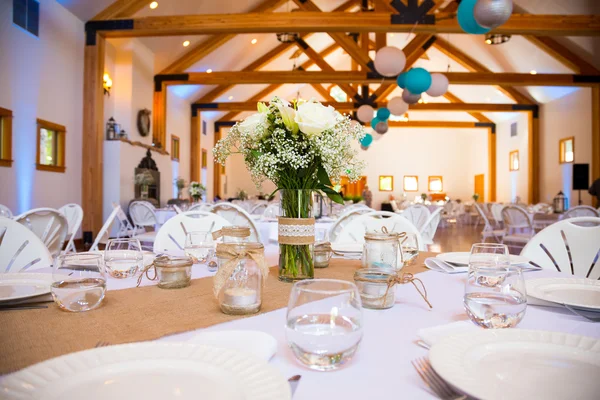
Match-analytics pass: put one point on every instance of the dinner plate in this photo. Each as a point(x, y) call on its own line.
point(257, 343)
point(519, 364)
point(576, 292)
point(347, 247)
point(462, 258)
point(23, 285)
point(150, 371)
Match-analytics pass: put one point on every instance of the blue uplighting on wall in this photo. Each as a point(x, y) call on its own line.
point(175, 171)
point(25, 168)
point(514, 179)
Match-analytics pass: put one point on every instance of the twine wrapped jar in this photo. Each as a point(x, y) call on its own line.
point(374, 289)
point(173, 272)
point(381, 250)
point(322, 255)
point(233, 234)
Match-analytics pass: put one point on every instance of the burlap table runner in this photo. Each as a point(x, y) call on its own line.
point(132, 315)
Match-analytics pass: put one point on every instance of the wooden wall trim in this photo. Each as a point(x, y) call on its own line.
point(533, 148)
point(596, 136)
point(195, 147)
point(491, 165)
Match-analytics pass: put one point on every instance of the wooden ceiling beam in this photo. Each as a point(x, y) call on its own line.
point(436, 124)
point(121, 9)
point(457, 101)
point(563, 54)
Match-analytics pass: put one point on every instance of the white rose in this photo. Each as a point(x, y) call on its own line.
point(314, 118)
point(249, 125)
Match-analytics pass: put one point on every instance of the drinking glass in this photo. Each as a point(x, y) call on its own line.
point(123, 258)
point(489, 255)
point(200, 246)
point(79, 281)
point(324, 322)
point(495, 297)
point(410, 248)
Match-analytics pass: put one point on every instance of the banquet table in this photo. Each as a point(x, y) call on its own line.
point(381, 366)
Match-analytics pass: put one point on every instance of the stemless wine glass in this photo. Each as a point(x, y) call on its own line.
point(489, 255)
point(410, 248)
point(79, 281)
point(123, 258)
point(324, 322)
point(199, 245)
point(495, 297)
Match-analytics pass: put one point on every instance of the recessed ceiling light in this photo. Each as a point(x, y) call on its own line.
point(230, 97)
point(153, 5)
point(533, 72)
point(254, 41)
point(186, 43)
point(208, 71)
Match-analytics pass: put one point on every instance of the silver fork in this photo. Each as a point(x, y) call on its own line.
point(434, 381)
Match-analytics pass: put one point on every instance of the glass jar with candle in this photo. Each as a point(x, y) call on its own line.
point(322, 255)
point(235, 234)
point(374, 287)
point(173, 272)
point(380, 250)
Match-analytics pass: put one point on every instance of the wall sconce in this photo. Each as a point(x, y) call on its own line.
point(106, 84)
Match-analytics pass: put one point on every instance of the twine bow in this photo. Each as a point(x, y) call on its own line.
point(399, 279)
point(234, 253)
point(145, 271)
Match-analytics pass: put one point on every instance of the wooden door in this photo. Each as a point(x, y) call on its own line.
point(480, 187)
point(355, 188)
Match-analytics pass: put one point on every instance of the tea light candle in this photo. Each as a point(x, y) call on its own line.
point(239, 297)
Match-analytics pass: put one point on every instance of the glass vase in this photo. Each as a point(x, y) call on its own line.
point(296, 235)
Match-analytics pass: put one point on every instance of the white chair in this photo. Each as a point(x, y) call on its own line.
point(236, 215)
point(417, 214)
point(171, 236)
point(430, 227)
point(374, 221)
point(517, 225)
point(568, 246)
point(201, 207)
point(74, 215)
point(259, 209)
point(497, 213)
point(49, 225)
point(5, 211)
point(103, 234)
point(272, 211)
point(582, 211)
point(143, 214)
point(20, 248)
point(488, 230)
point(357, 206)
point(344, 219)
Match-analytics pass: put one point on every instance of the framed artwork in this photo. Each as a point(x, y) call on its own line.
point(435, 184)
point(566, 150)
point(513, 160)
point(386, 183)
point(411, 183)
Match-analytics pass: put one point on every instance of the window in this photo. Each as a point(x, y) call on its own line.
point(26, 14)
point(204, 158)
point(513, 160)
point(411, 183)
point(204, 128)
point(174, 148)
point(5, 137)
point(50, 146)
point(436, 184)
point(566, 150)
point(337, 93)
point(386, 183)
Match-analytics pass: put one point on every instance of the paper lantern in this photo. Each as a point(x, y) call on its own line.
point(466, 19)
point(401, 80)
point(492, 13)
point(383, 114)
point(418, 80)
point(374, 122)
point(389, 61)
point(397, 106)
point(365, 148)
point(439, 85)
point(381, 127)
point(365, 113)
point(410, 98)
point(367, 140)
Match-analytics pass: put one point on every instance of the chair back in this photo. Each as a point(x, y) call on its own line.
point(20, 248)
point(571, 246)
point(430, 227)
point(515, 218)
point(236, 215)
point(582, 211)
point(272, 211)
point(259, 208)
point(74, 215)
point(125, 227)
point(5, 211)
point(344, 219)
point(483, 215)
point(497, 211)
point(142, 213)
point(201, 207)
point(49, 225)
point(171, 236)
point(417, 214)
point(103, 234)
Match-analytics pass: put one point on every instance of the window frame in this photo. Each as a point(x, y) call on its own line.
point(6, 118)
point(510, 161)
point(204, 159)
point(435, 177)
point(61, 133)
point(175, 147)
point(404, 183)
point(561, 154)
point(383, 177)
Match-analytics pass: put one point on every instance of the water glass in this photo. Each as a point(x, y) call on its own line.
point(409, 245)
point(495, 297)
point(124, 258)
point(324, 322)
point(489, 255)
point(200, 246)
point(79, 281)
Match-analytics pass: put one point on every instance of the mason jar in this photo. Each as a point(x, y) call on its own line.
point(381, 250)
point(173, 272)
point(374, 287)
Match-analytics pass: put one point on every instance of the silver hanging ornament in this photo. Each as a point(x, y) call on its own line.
point(410, 98)
point(381, 127)
point(492, 13)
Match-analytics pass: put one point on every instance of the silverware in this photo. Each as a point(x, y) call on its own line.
point(581, 314)
point(22, 307)
point(434, 381)
point(102, 344)
point(175, 241)
point(294, 381)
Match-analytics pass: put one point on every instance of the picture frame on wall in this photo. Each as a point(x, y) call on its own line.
point(386, 183)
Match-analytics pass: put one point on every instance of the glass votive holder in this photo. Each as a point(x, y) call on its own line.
point(374, 287)
point(173, 272)
point(323, 254)
point(380, 250)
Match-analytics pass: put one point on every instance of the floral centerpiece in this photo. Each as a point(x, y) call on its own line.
point(301, 148)
point(196, 191)
point(242, 195)
point(476, 197)
point(144, 180)
point(180, 184)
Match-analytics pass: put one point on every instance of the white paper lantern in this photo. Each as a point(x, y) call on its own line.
point(381, 128)
point(365, 113)
point(492, 13)
point(397, 106)
point(410, 98)
point(389, 61)
point(439, 85)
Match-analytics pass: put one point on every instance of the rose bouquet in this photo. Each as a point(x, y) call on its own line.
point(301, 148)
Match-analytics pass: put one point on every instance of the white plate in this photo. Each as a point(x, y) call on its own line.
point(462, 258)
point(150, 371)
point(519, 364)
point(347, 247)
point(23, 285)
point(576, 292)
point(257, 343)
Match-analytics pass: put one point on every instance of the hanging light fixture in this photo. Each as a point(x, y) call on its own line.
point(287, 37)
point(496, 38)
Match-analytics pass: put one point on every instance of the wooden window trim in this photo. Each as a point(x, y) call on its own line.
point(404, 183)
point(6, 117)
point(510, 158)
point(204, 159)
point(379, 183)
point(561, 158)
point(61, 132)
point(175, 138)
point(434, 177)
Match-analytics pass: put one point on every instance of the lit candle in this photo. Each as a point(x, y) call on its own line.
point(239, 297)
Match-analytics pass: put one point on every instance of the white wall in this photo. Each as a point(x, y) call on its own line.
point(179, 124)
point(41, 78)
point(510, 184)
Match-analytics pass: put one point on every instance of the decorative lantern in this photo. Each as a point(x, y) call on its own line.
point(418, 80)
point(466, 19)
point(561, 203)
point(381, 127)
point(439, 85)
point(389, 61)
point(365, 113)
point(410, 98)
point(367, 140)
point(397, 106)
point(492, 13)
point(111, 129)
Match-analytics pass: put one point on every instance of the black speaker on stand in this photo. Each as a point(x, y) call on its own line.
point(581, 178)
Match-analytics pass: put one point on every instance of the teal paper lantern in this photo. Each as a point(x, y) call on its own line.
point(367, 140)
point(466, 19)
point(383, 114)
point(418, 80)
point(401, 80)
point(375, 121)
